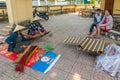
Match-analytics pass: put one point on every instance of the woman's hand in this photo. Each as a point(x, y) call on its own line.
point(23, 46)
point(97, 25)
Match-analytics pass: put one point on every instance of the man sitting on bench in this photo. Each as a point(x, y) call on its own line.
point(106, 24)
point(97, 18)
point(36, 29)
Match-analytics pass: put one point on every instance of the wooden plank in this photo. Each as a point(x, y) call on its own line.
point(85, 43)
point(66, 39)
point(78, 40)
point(102, 47)
point(88, 45)
point(93, 50)
point(98, 47)
point(70, 39)
point(81, 42)
point(73, 38)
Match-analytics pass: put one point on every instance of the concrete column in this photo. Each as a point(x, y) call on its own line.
point(45, 2)
point(19, 10)
point(38, 2)
point(55, 2)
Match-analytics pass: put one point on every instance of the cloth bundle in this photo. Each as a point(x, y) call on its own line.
point(25, 58)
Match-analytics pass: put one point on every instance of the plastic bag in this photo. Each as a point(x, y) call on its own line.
point(110, 60)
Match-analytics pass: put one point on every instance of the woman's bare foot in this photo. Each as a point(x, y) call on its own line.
point(90, 36)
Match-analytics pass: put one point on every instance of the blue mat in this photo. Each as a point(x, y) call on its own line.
point(46, 62)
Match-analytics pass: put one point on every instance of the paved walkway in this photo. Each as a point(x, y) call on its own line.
point(73, 64)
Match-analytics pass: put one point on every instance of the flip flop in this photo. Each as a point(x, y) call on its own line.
point(90, 36)
point(47, 32)
point(97, 37)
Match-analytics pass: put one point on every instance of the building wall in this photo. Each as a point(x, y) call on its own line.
point(116, 7)
point(19, 10)
point(102, 5)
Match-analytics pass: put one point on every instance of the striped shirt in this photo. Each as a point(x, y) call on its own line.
point(109, 23)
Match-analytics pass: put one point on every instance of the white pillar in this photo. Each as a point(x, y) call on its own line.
point(45, 2)
point(55, 2)
point(19, 10)
point(38, 2)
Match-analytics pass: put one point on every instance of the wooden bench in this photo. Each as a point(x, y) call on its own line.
point(56, 11)
point(112, 34)
point(74, 40)
point(66, 10)
point(86, 13)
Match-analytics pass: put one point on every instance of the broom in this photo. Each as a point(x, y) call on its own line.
point(21, 63)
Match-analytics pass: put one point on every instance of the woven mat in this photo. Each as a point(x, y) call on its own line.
point(75, 40)
point(92, 45)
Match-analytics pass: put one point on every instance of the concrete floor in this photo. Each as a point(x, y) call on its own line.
point(73, 64)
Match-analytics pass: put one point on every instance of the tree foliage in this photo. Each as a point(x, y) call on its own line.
point(93, 1)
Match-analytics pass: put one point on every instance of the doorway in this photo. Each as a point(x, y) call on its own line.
point(109, 4)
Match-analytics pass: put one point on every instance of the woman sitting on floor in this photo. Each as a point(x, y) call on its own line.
point(17, 40)
point(106, 24)
point(36, 29)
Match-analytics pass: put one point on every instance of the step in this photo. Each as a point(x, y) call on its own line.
point(115, 32)
point(4, 29)
point(5, 32)
point(8, 27)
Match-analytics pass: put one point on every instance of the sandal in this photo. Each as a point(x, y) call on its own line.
point(90, 36)
point(97, 37)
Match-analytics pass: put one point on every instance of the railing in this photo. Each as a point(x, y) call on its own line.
point(61, 9)
point(57, 9)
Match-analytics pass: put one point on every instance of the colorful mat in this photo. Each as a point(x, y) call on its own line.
point(40, 60)
point(75, 40)
point(92, 45)
point(13, 56)
point(4, 52)
point(46, 62)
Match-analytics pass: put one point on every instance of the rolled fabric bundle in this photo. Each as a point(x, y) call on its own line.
point(32, 53)
point(21, 63)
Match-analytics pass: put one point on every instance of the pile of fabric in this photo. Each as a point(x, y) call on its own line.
point(109, 62)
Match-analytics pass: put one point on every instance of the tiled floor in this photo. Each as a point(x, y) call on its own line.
point(73, 64)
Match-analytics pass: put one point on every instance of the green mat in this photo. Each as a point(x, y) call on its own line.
point(49, 47)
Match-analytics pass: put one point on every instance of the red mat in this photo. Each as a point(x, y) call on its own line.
point(13, 56)
point(4, 52)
